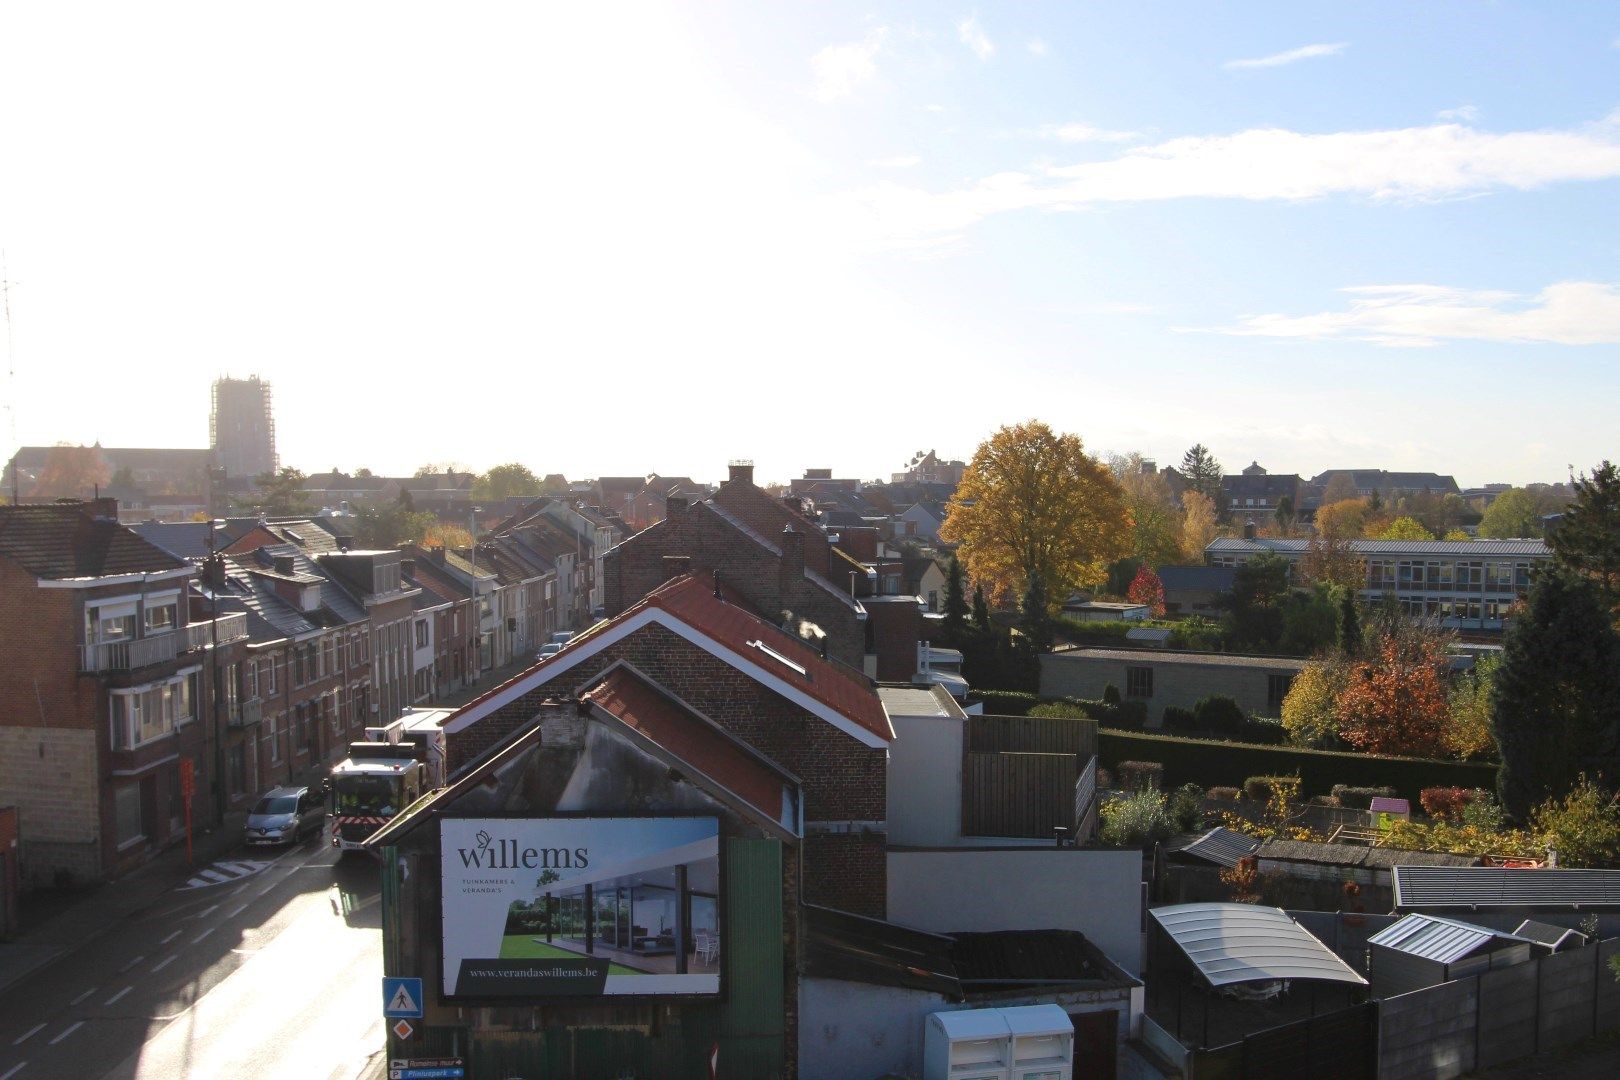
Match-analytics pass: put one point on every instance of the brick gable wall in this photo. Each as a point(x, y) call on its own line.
point(843, 780)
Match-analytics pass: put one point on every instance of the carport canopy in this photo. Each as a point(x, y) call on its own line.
point(1239, 943)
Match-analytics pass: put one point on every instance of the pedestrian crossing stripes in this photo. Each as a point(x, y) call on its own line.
point(223, 872)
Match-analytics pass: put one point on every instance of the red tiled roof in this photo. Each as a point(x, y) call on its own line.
point(667, 722)
point(725, 620)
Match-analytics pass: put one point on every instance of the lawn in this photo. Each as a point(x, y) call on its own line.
point(523, 947)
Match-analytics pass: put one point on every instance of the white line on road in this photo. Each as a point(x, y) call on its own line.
point(25, 1036)
point(202, 935)
point(76, 1000)
point(207, 911)
point(238, 889)
point(267, 888)
point(165, 963)
point(132, 963)
point(13, 1071)
point(234, 912)
point(114, 999)
point(171, 937)
point(77, 1024)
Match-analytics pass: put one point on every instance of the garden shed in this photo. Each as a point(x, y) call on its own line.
point(1425, 950)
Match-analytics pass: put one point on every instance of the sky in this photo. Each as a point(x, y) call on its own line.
point(614, 239)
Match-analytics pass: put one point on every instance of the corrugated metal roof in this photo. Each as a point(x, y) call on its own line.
point(1548, 934)
point(1434, 938)
point(1222, 846)
point(1425, 548)
point(1493, 886)
point(1238, 943)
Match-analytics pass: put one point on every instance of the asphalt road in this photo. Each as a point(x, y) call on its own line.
point(267, 964)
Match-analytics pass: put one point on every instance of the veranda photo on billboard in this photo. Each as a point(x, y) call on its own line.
point(580, 907)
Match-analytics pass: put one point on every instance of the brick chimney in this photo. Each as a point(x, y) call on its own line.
point(1249, 531)
point(742, 472)
point(674, 504)
point(676, 565)
point(792, 565)
point(103, 508)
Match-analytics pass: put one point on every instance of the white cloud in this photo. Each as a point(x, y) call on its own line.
point(840, 69)
point(932, 108)
point(973, 36)
point(1466, 113)
point(1077, 133)
point(900, 161)
point(1438, 161)
point(1566, 313)
point(1304, 52)
point(1036, 46)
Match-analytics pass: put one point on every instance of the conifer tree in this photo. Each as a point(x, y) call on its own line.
point(1556, 706)
point(1587, 540)
point(956, 608)
point(981, 611)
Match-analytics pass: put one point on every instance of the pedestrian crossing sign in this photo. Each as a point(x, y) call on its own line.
point(402, 996)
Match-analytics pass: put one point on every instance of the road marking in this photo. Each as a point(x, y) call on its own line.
point(267, 888)
point(131, 964)
point(207, 911)
point(165, 963)
point(171, 937)
point(234, 912)
point(238, 890)
point(25, 1036)
point(114, 999)
point(78, 999)
point(202, 935)
point(77, 1024)
point(13, 1071)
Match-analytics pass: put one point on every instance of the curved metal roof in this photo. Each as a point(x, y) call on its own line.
point(1238, 943)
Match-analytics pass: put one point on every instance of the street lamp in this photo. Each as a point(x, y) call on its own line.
point(473, 663)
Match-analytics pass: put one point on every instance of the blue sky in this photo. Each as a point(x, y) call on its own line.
point(823, 235)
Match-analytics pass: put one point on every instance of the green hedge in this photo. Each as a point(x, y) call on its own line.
point(1209, 764)
point(1007, 702)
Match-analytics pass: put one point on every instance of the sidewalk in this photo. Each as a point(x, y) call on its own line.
point(75, 919)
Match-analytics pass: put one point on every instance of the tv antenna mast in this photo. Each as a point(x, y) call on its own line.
point(11, 372)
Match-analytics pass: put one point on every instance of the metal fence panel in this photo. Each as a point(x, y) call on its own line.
point(1507, 1014)
point(1567, 987)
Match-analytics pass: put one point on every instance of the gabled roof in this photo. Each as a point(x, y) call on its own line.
point(1431, 937)
point(70, 541)
point(659, 716)
point(187, 540)
point(1215, 578)
point(722, 626)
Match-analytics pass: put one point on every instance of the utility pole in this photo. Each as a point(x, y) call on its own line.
point(215, 577)
point(474, 663)
point(11, 374)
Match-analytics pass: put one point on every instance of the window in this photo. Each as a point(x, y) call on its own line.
point(275, 739)
point(270, 678)
point(421, 633)
point(110, 621)
point(1277, 688)
point(1139, 682)
point(127, 814)
point(161, 617)
point(250, 679)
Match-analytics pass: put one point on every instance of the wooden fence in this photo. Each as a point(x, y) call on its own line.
point(1017, 793)
point(1032, 734)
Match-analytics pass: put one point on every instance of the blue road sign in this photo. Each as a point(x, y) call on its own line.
point(402, 996)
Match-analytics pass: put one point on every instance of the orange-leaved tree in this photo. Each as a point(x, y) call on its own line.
point(1146, 588)
point(1394, 702)
point(1033, 502)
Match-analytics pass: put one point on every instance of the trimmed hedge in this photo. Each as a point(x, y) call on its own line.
point(1007, 702)
point(1209, 763)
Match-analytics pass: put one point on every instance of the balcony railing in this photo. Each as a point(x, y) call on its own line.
point(248, 713)
point(144, 652)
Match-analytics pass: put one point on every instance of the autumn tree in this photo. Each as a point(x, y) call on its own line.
point(71, 472)
point(1342, 520)
point(1587, 540)
point(1394, 701)
point(1341, 487)
point(1285, 515)
point(1556, 706)
point(1310, 710)
point(1203, 472)
point(450, 537)
point(383, 525)
point(1146, 588)
point(506, 481)
point(1469, 734)
point(1155, 523)
point(1197, 525)
point(1331, 560)
point(1032, 502)
point(1404, 528)
point(1515, 513)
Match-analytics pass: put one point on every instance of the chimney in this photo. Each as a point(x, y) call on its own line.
point(436, 554)
point(792, 566)
point(742, 472)
point(407, 567)
point(1249, 530)
point(676, 565)
point(674, 504)
point(103, 508)
point(283, 563)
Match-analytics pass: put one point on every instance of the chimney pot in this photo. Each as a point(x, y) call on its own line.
point(1249, 531)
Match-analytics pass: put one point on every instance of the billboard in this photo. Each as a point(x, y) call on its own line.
point(580, 907)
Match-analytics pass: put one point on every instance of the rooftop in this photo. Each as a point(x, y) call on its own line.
point(66, 541)
point(1502, 887)
point(1190, 659)
point(1534, 548)
point(1238, 943)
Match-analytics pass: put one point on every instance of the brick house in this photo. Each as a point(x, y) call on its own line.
point(812, 716)
point(374, 579)
point(110, 687)
point(455, 662)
